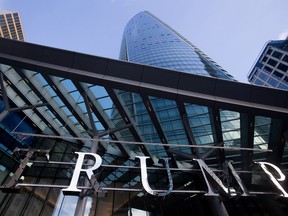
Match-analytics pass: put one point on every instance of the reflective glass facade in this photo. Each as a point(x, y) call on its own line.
point(271, 68)
point(148, 40)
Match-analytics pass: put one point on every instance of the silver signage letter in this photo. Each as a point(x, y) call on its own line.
point(215, 178)
point(144, 177)
point(72, 189)
point(274, 180)
point(238, 179)
point(210, 192)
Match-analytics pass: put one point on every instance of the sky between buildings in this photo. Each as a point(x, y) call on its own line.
point(231, 32)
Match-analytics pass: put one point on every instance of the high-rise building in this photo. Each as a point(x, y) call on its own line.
point(271, 67)
point(88, 124)
point(148, 40)
point(11, 26)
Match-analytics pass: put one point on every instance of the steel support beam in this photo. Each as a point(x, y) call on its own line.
point(187, 128)
point(17, 109)
point(100, 114)
point(4, 93)
point(114, 130)
point(157, 125)
point(247, 123)
point(54, 107)
point(127, 119)
point(3, 115)
point(215, 119)
point(277, 139)
point(191, 157)
point(38, 113)
point(7, 108)
point(82, 200)
point(68, 100)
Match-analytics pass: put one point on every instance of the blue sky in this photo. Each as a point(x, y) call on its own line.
point(231, 32)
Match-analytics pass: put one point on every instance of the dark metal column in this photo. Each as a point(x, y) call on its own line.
point(247, 123)
point(277, 139)
point(217, 206)
point(215, 120)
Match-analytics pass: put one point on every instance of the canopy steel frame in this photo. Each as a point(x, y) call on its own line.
point(7, 107)
point(215, 119)
point(54, 107)
point(152, 114)
point(100, 114)
point(247, 123)
point(126, 117)
point(38, 113)
point(68, 100)
point(177, 86)
point(187, 128)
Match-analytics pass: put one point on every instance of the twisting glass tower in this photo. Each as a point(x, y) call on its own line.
point(148, 40)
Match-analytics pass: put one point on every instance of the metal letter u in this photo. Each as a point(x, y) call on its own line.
point(144, 177)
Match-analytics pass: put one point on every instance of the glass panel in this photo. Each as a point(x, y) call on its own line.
point(230, 122)
point(261, 132)
point(170, 121)
point(69, 85)
point(200, 125)
point(66, 205)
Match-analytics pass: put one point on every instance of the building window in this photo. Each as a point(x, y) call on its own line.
point(272, 62)
point(277, 54)
point(278, 75)
point(285, 59)
point(265, 59)
point(269, 51)
point(268, 69)
point(256, 72)
point(282, 67)
point(258, 82)
point(272, 82)
point(282, 86)
point(263, 76)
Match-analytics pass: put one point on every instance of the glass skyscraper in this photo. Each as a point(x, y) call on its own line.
point(271, 67)
point(148, 40)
